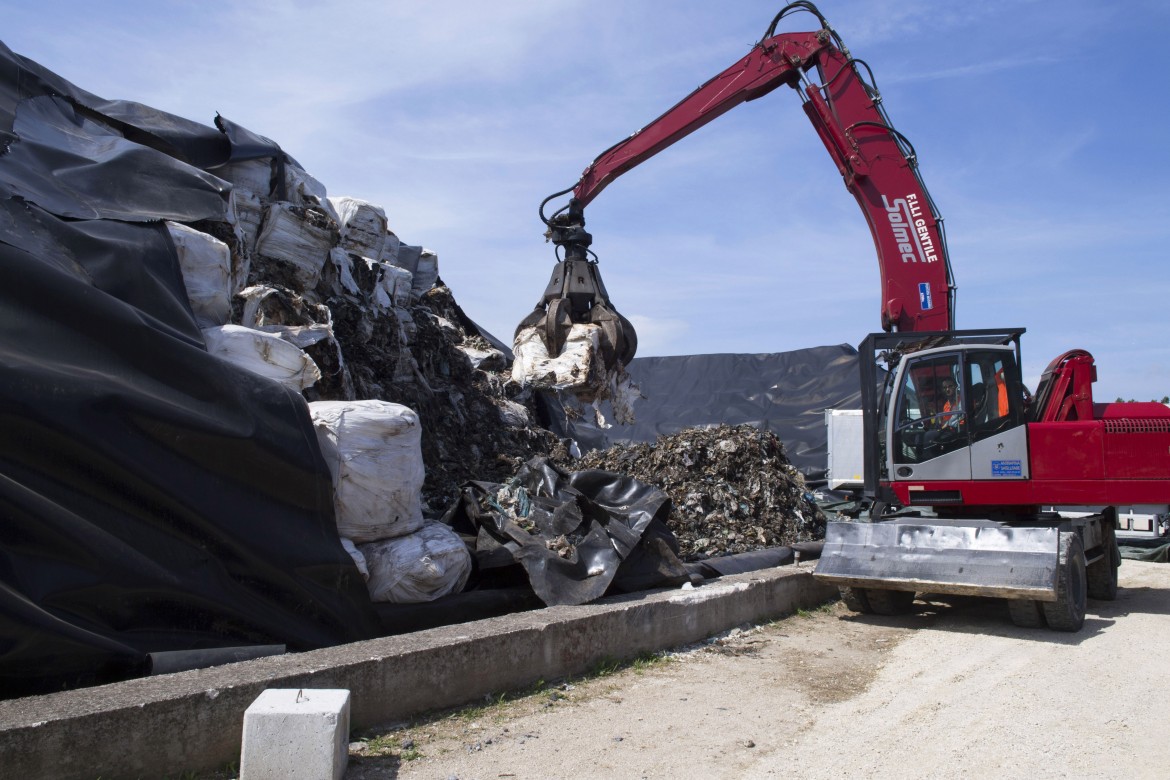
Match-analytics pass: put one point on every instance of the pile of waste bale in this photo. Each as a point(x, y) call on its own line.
point(254, 403)
point(732, 488)
point(319, 292)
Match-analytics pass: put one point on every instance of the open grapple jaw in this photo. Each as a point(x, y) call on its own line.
point(576, 295)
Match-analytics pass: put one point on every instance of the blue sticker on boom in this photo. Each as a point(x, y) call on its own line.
point(924, 299)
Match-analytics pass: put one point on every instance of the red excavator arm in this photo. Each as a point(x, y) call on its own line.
point(877, 163)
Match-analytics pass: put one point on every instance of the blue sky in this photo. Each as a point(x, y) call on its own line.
point(1039, 128)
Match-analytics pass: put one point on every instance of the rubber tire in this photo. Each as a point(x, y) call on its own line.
point(890, 602)
point(1067, 613)
point(856, 599)
point(1026, 613)
point(1102, 575)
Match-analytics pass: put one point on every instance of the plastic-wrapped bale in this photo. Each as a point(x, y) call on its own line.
point(206, 263)
point(431, 563)
point(390, 247)
point(304, 323)
point(403, 284)
point(576, 370)
point(245, 213)
point(362, 226)
point(274, 181)
point(303, 190)
point(423, 265)
point(275, 311)
point(254, 176)
point(298, 238)
point(265, 354)
point(426, 274)
point(374, 452)
point(393, 285)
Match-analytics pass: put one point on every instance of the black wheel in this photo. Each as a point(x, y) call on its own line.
point(1067, 613)
point(856, 599)
point(1102, 575)
point(889, 602)
point(1026, 613)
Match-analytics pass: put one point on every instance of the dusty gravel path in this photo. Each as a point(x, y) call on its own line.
point(952, 691)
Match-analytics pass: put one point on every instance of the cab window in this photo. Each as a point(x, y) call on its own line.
point(931, 418)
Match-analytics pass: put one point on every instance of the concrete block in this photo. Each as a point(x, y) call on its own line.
point(296, 734)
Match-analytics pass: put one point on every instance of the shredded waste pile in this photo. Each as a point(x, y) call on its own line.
point(732, 487)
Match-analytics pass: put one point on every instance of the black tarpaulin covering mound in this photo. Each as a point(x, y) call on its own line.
point(786, 393)
point(152, 497)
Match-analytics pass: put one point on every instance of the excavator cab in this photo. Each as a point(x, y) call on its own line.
point(957, 414)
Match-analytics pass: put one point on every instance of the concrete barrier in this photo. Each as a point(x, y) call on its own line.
point(296, 734)
point(191, 721)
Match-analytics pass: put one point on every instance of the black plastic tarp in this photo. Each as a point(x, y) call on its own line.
point(577, 535)
point(786, 393)
point(152, 497)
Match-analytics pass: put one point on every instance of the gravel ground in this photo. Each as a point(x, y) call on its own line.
point(953, 690)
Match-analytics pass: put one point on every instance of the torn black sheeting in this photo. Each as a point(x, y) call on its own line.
point(153, 498)
point(577, 535)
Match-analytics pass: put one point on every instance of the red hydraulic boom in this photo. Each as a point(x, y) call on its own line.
point(876, 162)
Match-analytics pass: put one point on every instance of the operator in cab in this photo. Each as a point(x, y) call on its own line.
point(950, 411)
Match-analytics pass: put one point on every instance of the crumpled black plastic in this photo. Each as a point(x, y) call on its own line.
point(614, 528)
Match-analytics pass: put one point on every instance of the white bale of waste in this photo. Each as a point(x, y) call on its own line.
point(575, 370)
point(362, 226)
point(245, 213)
point(300, 237)
point(426, 274)
point(426, 565)
point(359, 560)
point(206, 263)
point(265, 354)
point(393, 286)
point(254, 176)
point(272, 181)
point(403, 283)
point(423, 265)
point(302, 189)
point(390, 247)
point(374, 452)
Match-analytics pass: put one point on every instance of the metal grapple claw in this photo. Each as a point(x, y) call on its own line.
point(576, 295)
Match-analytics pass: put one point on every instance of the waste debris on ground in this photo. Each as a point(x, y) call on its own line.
point(732, 488)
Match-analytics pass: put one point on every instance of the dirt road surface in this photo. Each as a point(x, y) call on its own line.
point(953, 690)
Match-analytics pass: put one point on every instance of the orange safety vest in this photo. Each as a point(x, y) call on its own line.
point(1001, 394)
point(949, 411)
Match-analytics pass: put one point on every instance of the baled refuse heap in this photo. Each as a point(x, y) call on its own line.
point(184, 359)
